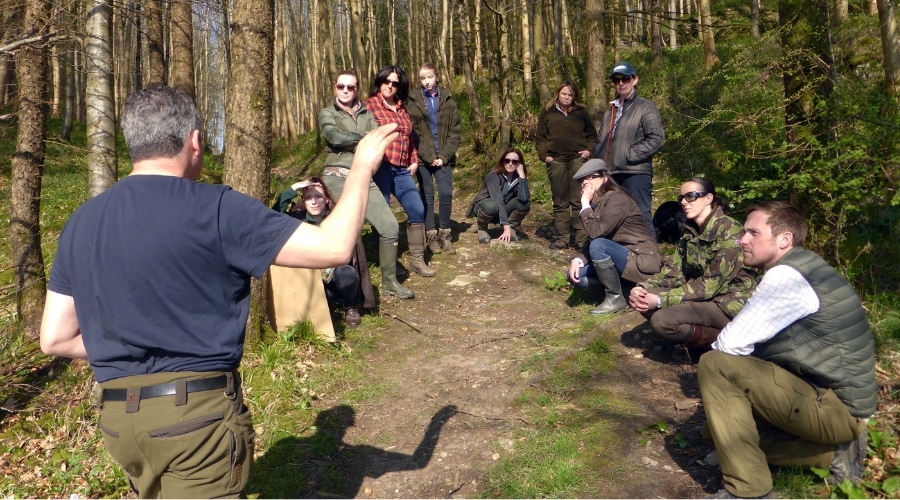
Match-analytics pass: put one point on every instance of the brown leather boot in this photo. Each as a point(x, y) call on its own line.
point(702, 337)
point(434, 244)
point(445, 238)
point(415, 234)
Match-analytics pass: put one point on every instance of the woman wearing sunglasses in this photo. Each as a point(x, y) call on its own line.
point(504, 198)
point(387, 104)
point(621, 243)
point(343, 124)
point(691, 299)
point(630, 134)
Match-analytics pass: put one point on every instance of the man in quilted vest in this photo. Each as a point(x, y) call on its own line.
point(791, 379)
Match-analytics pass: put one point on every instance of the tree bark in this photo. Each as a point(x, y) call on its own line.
point(248, 134)
point(181, 30)
point(501, 85)
point(527, 57)
point(709, 41)
point(100, 98)
point(595, 89)
point(153, 26)
point(655, 33)
point(468, 68)
point(754, 18)
point(326, 20)
point(890, 46)
point(540, 50)
point(27, 167)
point(358, 45)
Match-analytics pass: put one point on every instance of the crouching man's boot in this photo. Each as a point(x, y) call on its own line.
point(387, 257)
point(415, 234)
point(608, 277)
point(703, 337)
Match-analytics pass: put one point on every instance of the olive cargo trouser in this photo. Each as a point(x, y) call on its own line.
point(760, 414)
point(202, 448)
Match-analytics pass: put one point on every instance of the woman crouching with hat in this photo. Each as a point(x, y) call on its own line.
point(621, 243)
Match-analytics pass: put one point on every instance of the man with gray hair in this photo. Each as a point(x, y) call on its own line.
point(151, 284)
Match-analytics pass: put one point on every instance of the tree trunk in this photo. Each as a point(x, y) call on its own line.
point(754, 18)
point(673, 27)
point(248, 137)
point(69, 85)
point(709, 41)
point(181, 29)
point(358, 45)
point(468, 65)
point(502, 85)
point(527, 57)
point(540, 50)
point(100, 98)
point(27, 168)
point(890, 46)
point(153, 26)
point(595, 90)
point(326, 20)
point(841, 12)
point(655, 33)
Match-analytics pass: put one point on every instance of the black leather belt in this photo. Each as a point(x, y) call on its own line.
point(168, 389)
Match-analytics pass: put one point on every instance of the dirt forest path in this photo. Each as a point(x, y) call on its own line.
point(456, 358)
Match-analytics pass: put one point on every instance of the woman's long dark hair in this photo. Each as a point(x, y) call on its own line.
point(382, 76)
point(500, 170)
point(610, 185)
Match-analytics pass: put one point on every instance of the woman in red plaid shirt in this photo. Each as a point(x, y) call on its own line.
point(387, 105)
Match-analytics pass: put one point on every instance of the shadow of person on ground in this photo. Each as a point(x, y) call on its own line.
point(323, 465)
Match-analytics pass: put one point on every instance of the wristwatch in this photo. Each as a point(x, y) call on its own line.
point(658, 302)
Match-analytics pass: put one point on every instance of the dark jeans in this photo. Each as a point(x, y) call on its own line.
point(639, 186)
point(444, 176)
point(344, 287)
point(397, 181)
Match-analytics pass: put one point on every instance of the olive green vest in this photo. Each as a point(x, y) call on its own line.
point(832, 348)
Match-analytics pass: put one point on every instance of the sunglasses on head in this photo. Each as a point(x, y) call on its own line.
point(392, 83)
point(617, 80)
point(692, 196)
point(341, 86)
point(511, 161)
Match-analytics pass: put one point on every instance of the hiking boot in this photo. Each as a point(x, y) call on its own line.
point(431, 236)
point(559, 244)
point(848, 459)
point(445, 240)
point(703, 337)
point(351, 317)
point(515, 222)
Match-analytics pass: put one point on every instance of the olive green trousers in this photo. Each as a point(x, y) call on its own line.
point(760, 414)
point(202, 448)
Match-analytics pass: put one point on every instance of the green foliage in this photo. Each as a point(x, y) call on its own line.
point(557, 282)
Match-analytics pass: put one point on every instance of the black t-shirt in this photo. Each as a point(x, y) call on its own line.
point(159, 268)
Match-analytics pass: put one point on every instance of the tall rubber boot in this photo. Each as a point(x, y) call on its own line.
point(415, 234)
point(703, 337)
point(387, 256)
point(608, 277)
point(483, 221)
point(515, 221)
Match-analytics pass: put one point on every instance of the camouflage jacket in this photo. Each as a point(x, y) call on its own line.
point(708, 265)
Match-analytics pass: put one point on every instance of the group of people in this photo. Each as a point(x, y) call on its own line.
point(151, 284)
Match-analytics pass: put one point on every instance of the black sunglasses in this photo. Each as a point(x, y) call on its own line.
point(510, 161)
point(616, 80)
point(341, 86)
point(592, 176)
point(392, 83)
point(692, 196)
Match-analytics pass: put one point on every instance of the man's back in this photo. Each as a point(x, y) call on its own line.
point(159, 268)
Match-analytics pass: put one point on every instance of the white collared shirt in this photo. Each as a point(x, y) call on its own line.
point(782, 297)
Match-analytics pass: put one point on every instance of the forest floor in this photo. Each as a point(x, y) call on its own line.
point(457, 361)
